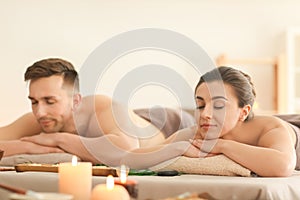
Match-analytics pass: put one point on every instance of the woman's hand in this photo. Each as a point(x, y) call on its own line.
point(192, 152)
point(206, 147)
point(195, 150)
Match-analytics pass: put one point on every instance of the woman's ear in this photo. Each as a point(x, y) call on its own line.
point(245, 112)
point(76, 101)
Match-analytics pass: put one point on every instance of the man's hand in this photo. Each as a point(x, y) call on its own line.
point(14, 147)
point(32, 148)
point(44, 139)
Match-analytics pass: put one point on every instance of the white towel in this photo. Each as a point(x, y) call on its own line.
point(50, 158)
point(215, 165)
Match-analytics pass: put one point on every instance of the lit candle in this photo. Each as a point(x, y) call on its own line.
point(109, 191)
point(76, 179)
point(130, 185)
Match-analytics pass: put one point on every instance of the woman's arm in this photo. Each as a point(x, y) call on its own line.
point(264, 161)
point(274, 154)
point(175, 145)
point(148, 157)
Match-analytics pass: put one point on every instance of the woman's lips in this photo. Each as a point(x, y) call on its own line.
point(207, 126)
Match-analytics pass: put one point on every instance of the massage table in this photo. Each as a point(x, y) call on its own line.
point(158, 187)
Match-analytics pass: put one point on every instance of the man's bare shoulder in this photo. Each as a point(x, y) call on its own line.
point(93, 105)
point(25, 125)
point(96, 100)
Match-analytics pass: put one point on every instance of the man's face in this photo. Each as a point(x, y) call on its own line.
point(51, 103)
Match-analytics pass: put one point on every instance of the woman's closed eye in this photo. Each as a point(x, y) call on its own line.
point(219, 105)
point(200, 107)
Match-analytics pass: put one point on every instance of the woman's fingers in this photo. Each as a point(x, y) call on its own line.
point(205, 146)
point(196, 142)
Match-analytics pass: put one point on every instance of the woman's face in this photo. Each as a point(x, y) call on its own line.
point(217, 111)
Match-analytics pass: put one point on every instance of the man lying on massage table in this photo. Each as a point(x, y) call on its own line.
point(95, 128)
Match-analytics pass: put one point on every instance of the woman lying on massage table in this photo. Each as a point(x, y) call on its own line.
point(226, 125)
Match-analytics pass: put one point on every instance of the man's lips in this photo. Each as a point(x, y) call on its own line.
point(45, 122)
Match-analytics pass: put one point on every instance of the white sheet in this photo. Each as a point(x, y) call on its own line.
point(155, 187)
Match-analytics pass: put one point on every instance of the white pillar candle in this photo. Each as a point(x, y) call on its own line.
point(76, 179)
point(109, 191)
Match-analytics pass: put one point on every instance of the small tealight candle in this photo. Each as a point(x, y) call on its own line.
point(76, 179)
point(109, 191)
point(130, 185)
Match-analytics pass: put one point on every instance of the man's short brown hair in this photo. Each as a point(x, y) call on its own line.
point(53, 66)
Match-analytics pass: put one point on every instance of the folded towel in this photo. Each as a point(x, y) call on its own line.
point(50, 158)
point(215, 165)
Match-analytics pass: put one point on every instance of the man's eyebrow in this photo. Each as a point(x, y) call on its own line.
point(46, 97)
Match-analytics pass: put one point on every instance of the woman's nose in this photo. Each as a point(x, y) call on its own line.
point(206, 112)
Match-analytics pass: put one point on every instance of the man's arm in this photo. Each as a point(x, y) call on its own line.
point(96, 150)
point(10, 134)
point(26, 125)
point(14, 147)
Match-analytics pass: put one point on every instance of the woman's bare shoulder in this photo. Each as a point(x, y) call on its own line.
point(268, 122)
point(265, 119)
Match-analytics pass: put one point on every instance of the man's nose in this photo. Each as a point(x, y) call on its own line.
point(40, 111)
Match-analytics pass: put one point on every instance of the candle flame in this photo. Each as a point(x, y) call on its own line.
point(74, 160)
point(110, 183)
point(123, 174)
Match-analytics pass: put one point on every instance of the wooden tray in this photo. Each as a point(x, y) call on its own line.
point(97, 170)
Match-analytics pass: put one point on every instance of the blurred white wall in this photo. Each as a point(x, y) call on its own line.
point(72, 29)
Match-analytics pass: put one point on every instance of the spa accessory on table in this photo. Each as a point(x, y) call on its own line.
point(130, 185)
point(19, 190)
point(167, 173)
point(43, 196)
point(97, 170)
point(192, 196)
point(22, 194)
point(75, 178)
point(109, 191)
point(1, 154)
